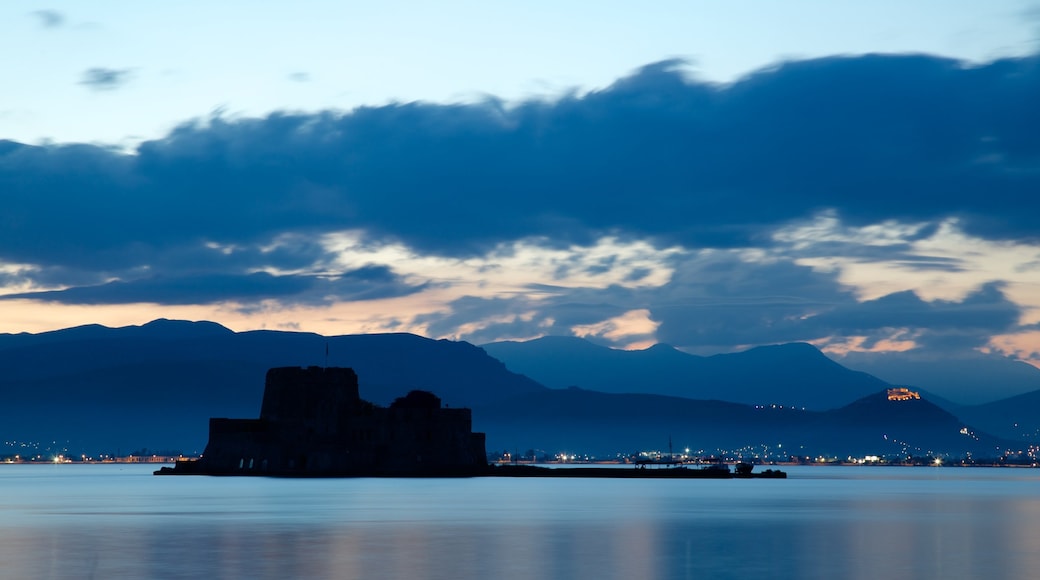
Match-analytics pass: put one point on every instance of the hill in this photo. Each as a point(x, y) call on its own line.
point(605, 424)
point(796, 375)
point(1016, 418)
point(97, 389)
point(967, 379)
point(157, 385)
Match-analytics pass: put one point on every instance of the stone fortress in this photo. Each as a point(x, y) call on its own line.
point(313, 423)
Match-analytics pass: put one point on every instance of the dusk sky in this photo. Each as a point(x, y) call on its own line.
point(863, 176)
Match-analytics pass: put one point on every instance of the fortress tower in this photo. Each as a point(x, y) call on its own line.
point(313, 422)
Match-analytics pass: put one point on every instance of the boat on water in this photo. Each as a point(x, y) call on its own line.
point(744, 471)
point(638, 471)
point(609, 472)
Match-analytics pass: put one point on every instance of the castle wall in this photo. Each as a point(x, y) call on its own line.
point(313, 422)
point(234, 442)
point(313, 394)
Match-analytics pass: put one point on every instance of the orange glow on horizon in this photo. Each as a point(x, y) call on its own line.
point(1023, 346)
point(634, 325)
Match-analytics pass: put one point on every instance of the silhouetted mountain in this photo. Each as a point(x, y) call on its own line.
point(969, 379)
point(1016, 418)
point(575, 419)
point(158, 384)
point(919, 426)
point(159, 328)
point(794, 374)
point(605, 423)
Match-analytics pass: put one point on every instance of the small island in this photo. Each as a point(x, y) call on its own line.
point(314, 423)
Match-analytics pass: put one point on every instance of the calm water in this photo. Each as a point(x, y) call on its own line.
point(110, 521)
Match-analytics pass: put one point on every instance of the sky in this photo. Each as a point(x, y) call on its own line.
point(863, 176)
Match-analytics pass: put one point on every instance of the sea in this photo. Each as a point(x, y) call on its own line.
point(827, 522)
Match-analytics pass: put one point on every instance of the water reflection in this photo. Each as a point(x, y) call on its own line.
point(915, 524)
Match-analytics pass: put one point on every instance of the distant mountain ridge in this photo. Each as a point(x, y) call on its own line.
point(1016, 418)
point(795, 374)
point(157, 385)
point(578, 420)
point(967, 379)
point(455, 369)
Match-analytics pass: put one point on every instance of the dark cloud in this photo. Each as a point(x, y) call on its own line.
point(900, 253)
point(714, 302)
point(718, 301)
point(721, 302)
point(555, 312)
point(363, 284)
point(929, 263)
point(932, 325)
point(49, 18)
point(501, 317)
point(724, 302)
point(300, 77)
point(104, 79)
point(656, 156)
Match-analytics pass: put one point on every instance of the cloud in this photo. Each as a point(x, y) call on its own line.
point(887, 150)
point(364, 284)
point(951, 325)
point(542, 311)
point(721, 300)
point(104, 79)
point(49, 18)
point(726, 300)
point(657, 156)
point(718, 300)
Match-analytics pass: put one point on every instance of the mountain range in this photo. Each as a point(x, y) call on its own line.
point(157, 385)
point(969, 378)
point(118, 389)
point(795, 374)
point(575, 419)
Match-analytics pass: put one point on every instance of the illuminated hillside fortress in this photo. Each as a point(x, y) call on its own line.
point(902, 394)
point(313, 423)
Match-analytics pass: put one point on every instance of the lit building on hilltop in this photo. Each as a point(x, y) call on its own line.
point(902, 394)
